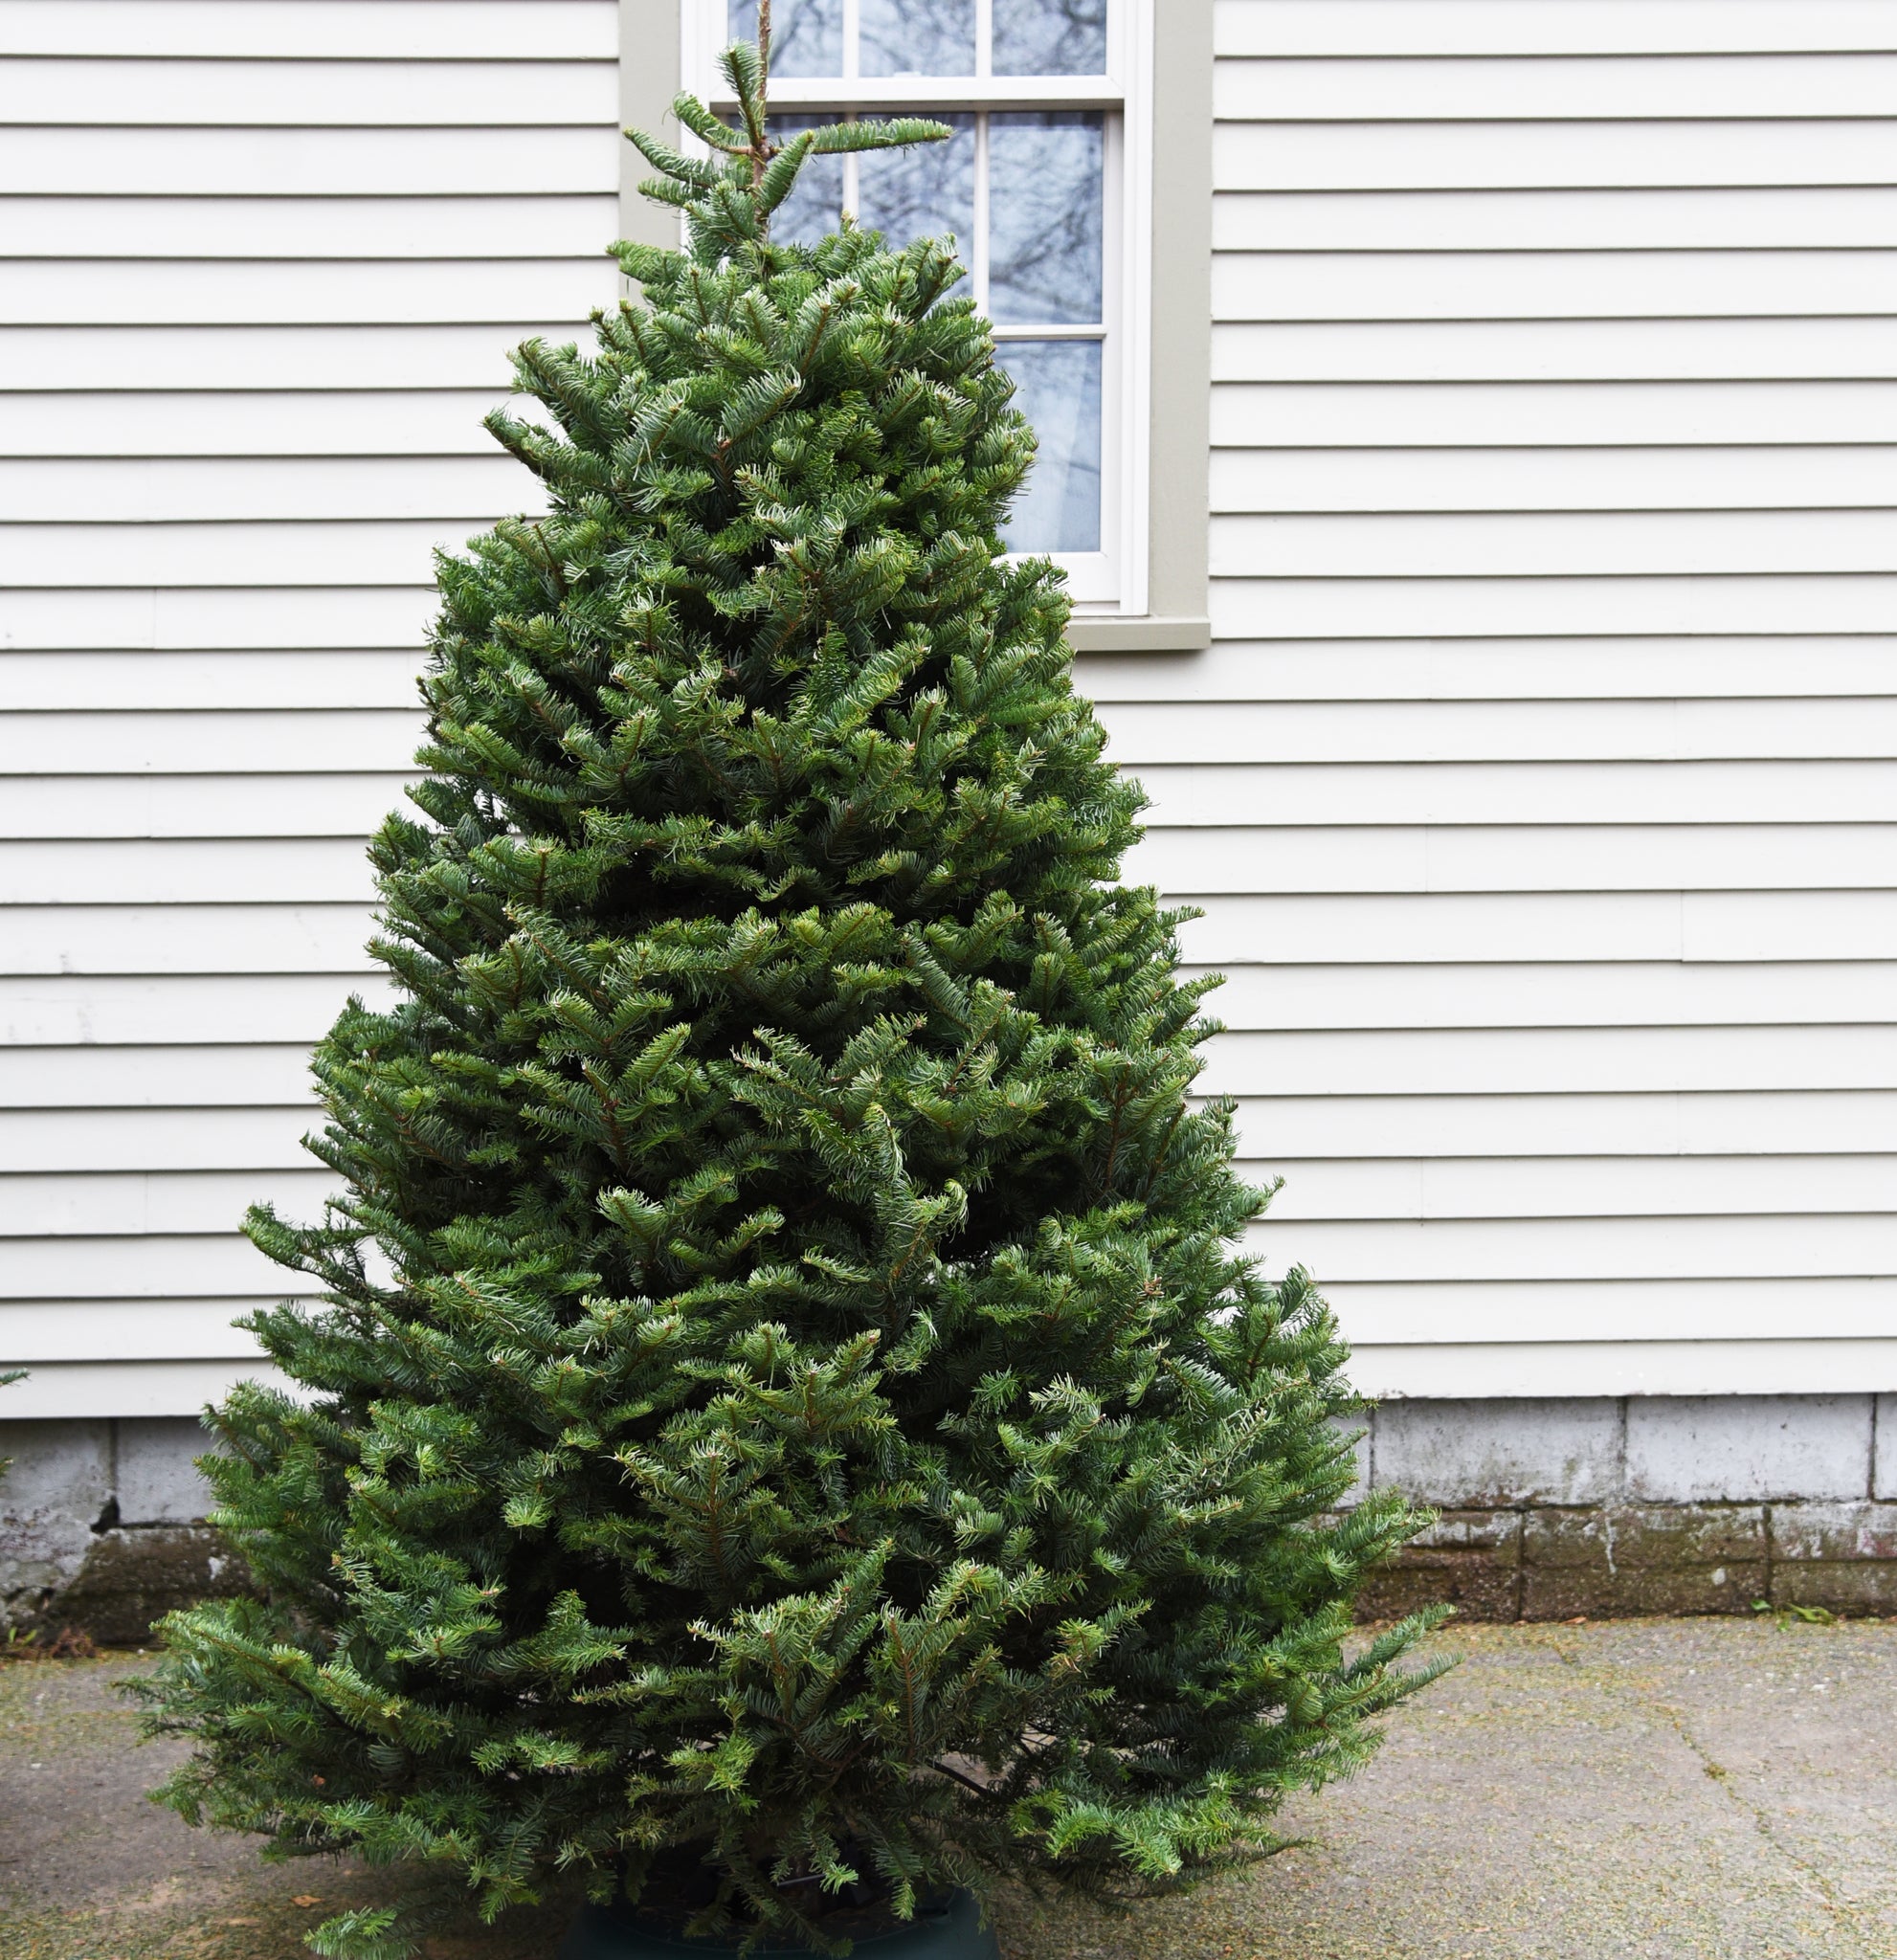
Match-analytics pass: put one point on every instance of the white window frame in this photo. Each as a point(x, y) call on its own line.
point(1112, 582)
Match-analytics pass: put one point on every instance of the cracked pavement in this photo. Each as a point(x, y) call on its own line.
point(1673, 1789)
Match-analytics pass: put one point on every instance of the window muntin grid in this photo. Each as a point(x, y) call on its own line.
point(1030, 190)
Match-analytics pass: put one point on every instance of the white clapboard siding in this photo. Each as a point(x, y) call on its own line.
point(118, 1204)
point(1789, 348)
point(265, 265)
point(71, 1010)
point(1568, 1186)
point(1298, 481)
point(419, 229)
point(322, 678)
point(341, 94)
point(1595, 220)
point(45, 490)
point(1490, 28)
point(1799, 1122)
point(1590, 994)
point(398, 30)
point(282, 805)
point(1548, 791)
point(1721, 667)
point(1537, 791)
point(86, 364)
point(1530, 858)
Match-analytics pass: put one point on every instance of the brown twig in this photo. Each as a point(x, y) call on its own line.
point(761, 150)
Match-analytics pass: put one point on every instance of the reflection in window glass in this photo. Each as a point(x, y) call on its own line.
point(806, 35)
point(1050, 36)
point(917, 37)
point(1045, 217)
point(925, 191)
point(1056, 388)
point(815, 201)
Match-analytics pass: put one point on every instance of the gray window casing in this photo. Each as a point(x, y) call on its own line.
point(1180, 438)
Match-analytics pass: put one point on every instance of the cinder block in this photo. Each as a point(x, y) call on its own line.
point(1834, 1533)
point(131, 1578)
point(1709, 1449)
point(1470, 1560)
point(159, 1483)
point(1855, 1586)
point(1504, 1450)
point(1628, 1559)
point(1884, 1475)
point(50, 1501)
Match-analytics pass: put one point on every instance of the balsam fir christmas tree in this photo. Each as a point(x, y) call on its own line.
point(788, 1398)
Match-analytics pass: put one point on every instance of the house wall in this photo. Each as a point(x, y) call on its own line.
point(265, 263)
point(1538, 787)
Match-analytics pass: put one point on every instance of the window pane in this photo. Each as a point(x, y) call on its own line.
point(924, 191)
point(917, 37)
point(1045, 217)
point(816, 202)
point(1057, 386)
point(1050, 36)
point(806, 35)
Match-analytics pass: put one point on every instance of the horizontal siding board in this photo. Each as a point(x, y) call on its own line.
point(132, 91)
point(1670, 790)
point(1720, 1124)
point(1702, 480)
point(1475, 1251)
point(92, 1390)
point(1426, 731)
point(187, 939)
point(1718, 666)
point(1524, 928)
point(1539, 415)
point(1807, 1364)
point(1524, 285)
point(67, 1010)
point(251, 1140)
point(151, 1267)
point(1195, 861)
point(1451, 156)
point(125, 1204)
point(388, 552)
point(170, 1077)
point(1531, 1312)
point(1579, 994)
point(198, 806)
point(1525, 1189)
point(119, 1330)
point(470, 490)
point(246, 679)
point(347, 422)
point(1531, 543)
point(419, 228)
point(204, 871)
point(1550, 27)
point(1757, 217)
point(1442, 606)
point(315, 30)
point(1534, 1062)
point(189, 742)
point(1365, 88)
point(213, 619)
point(312, 163)
point(220, 291)
point(1587, 351)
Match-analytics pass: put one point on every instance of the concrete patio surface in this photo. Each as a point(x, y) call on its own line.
point(1679, 1788)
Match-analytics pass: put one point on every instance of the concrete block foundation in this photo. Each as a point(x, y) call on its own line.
point(1550, 1510)
point(102, 1527)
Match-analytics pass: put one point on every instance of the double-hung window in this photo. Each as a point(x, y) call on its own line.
point(1045, 186)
